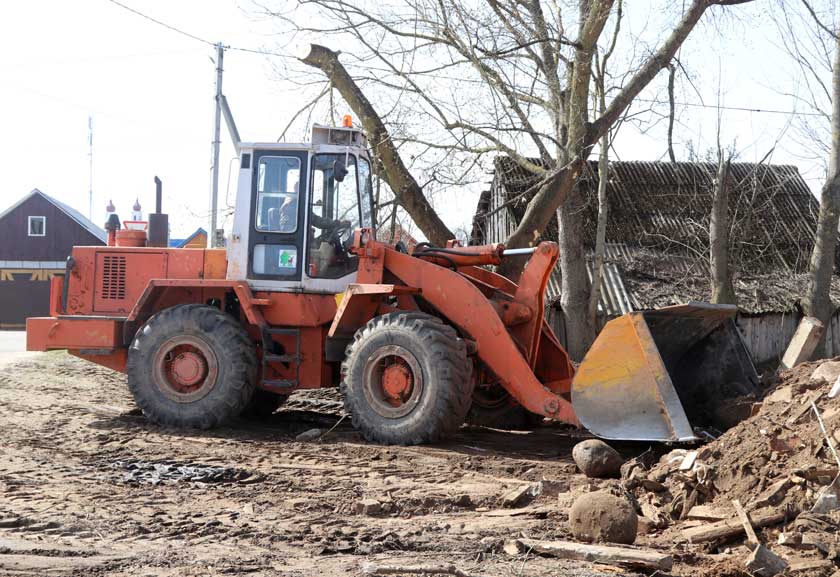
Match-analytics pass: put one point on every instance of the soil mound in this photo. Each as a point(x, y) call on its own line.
point(778, 457)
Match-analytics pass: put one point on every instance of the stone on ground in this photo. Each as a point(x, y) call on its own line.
point(368, 507)
point(602, 516)
point(309, 435)
point(597, 459)
point(826, 373)
point(764, 563)
point(520, 496)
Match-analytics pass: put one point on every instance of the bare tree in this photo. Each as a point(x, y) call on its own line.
point(723, 291)
point(671, 112)
point(810, 35)
point(600, 74)
point(488, 78)
point(817, 301)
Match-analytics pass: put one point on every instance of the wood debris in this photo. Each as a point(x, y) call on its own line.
point(609, 554)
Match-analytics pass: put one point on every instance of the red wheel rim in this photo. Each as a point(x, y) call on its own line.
point(393, 381)
point(185, 368)
point(397, 380)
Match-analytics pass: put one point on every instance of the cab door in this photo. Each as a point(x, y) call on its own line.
point(278, 204)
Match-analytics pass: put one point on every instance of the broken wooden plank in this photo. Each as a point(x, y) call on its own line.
point(800, 411)
point(803, 343)
point(535, 511)
point(708, 513)
point(608, 554)
point(809, 565)
point(818, 474)
point(373, 569)
point(731, 527)
point(745, 522)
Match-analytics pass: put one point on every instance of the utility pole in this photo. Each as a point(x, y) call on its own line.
point(90, 167)
point(214, 196)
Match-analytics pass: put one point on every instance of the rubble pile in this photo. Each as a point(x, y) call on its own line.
point(774, 474)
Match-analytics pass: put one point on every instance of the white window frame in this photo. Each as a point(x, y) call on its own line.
point(260, 184)
point(43, 226)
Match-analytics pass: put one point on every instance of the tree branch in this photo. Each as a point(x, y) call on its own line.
point(408, 192)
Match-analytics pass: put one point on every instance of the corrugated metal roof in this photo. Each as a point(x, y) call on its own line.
point(657, 231)
point(613, 298)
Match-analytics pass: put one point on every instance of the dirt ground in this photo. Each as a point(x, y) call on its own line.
point(89, 487)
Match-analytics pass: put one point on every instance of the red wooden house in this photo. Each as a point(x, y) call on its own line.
point(37, 234)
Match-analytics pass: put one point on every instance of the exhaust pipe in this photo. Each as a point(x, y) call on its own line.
point(158, 222)
point(158, 194)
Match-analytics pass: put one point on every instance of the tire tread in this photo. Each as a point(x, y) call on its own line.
point(238, 355)
point(453, 395)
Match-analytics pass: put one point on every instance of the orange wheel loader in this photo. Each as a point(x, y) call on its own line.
point(304, 296)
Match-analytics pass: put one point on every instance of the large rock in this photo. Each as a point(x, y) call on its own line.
point(601, 516)
point(597, 459)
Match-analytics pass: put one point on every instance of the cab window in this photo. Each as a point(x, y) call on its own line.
point(277, 194)
point(366, 192)
point(333, 215)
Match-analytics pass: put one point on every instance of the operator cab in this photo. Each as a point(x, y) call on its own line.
point(297, 206)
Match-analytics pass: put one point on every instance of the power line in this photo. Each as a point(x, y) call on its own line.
point(737, 108)
point(443, 77)
point(261, 52)
point(164, 24)
point(651, 101)
point(197, 38)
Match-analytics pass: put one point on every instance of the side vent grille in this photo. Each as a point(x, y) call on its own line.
point(113, 278)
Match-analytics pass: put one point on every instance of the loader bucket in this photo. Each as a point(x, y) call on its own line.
point(654, 376)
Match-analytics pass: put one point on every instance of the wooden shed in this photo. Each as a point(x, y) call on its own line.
point(38, 234)
point(657, 251)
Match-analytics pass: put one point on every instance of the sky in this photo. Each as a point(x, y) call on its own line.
point(150, 93)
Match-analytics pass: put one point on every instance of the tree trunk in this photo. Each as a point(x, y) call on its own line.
point(408, 192)
point(601, 226)
point(817, 302)
point(572, 154)
point(600, 232)
point(671, 112)
point(722, 290)
point(574, 297)
point(558, 186)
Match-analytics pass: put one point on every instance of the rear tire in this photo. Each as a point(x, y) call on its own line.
point(192, 366)
point(406, 379)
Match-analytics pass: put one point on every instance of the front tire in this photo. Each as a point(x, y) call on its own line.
point(406, 379)
point(192, 366)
